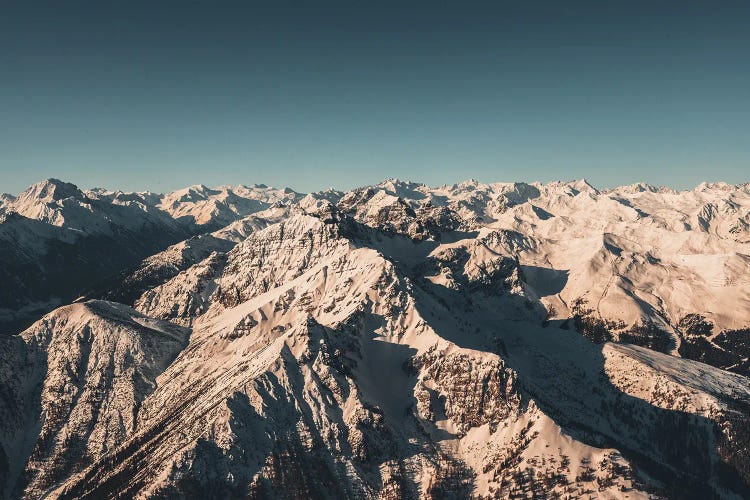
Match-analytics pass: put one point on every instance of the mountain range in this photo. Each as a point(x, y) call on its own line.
point(504, 340)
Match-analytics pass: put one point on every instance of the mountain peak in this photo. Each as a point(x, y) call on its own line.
point(199, 188)
point(576, 187)
point(583, 186)
point(397, 183)
point(642, 187)
point(714, 186)
point(51, 190)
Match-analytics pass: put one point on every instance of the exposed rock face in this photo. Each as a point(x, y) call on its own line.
point(469, 391)
point(401, 341)
point(163, 266)
point(89, 367)
point(395, 215)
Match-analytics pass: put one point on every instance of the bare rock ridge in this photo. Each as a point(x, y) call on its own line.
point(395, 341)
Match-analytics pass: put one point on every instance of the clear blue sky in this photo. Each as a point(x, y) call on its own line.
point(163, 94)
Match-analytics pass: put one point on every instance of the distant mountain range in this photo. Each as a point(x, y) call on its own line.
point(503, 340)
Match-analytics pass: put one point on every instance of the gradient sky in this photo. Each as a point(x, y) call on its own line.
point(160, 94)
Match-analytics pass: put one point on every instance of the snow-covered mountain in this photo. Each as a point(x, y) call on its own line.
point(398, 341)
point(57, 241)
point(215, 208)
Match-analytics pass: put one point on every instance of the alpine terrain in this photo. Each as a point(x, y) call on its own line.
point(473, 340)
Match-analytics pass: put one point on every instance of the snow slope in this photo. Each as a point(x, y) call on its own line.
point(404, 341)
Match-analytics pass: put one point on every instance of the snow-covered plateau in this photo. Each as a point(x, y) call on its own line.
point(503, 340)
